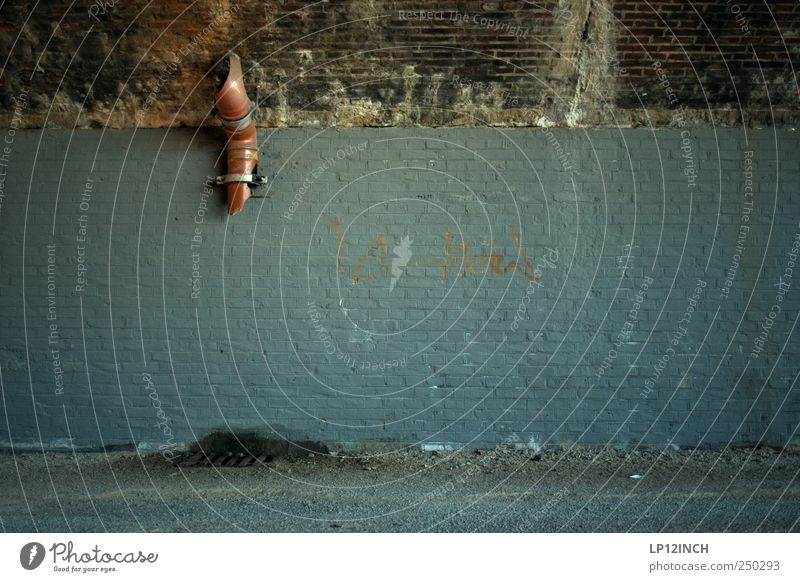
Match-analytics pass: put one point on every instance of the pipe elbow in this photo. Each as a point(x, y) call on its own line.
point(231, 99)
point(236, 110)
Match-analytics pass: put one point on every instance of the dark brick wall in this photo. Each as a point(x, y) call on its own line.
point(658, 304)
point(712, 54)
point(400, 62)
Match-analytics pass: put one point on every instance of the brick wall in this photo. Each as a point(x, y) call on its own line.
point(712, 55)
point(405, 62)
point(493, 285)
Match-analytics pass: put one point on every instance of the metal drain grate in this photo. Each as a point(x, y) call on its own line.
point(225, 460)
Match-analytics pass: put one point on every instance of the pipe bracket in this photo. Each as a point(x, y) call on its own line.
point(254, 180)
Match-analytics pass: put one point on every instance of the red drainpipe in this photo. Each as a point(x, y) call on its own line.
point(235, 110)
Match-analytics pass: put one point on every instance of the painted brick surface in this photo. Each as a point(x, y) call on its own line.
point(423, 286)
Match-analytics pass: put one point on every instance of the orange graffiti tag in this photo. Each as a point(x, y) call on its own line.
point(456, 259)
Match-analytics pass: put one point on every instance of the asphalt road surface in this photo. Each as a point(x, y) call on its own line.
point(578, 490)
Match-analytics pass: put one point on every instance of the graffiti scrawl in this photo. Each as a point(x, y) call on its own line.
point(457, 259)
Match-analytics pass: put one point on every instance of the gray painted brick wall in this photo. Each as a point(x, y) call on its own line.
point(555, 286)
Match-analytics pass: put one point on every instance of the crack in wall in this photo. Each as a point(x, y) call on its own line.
point(593, 53)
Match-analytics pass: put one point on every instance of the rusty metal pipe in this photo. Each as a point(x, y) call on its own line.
point(235, 110)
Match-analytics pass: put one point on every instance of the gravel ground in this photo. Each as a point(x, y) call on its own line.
point(505, 490)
